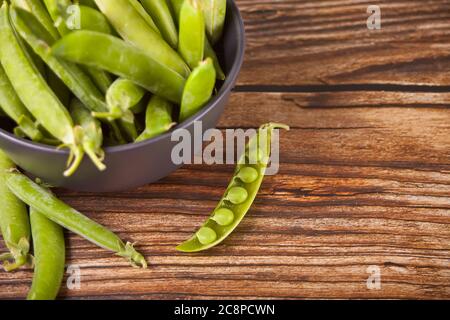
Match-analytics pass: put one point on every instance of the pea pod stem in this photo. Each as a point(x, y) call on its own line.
point(49, 257)
point(240, 194)
point(59, 212)
point(89, 132)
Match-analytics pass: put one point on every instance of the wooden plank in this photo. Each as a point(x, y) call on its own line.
point(328, 42)
point(358, 186)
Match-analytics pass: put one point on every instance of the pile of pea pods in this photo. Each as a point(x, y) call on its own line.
point(84, 74)
point(126, 71)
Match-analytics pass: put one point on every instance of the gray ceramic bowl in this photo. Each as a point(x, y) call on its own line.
point(132, 165)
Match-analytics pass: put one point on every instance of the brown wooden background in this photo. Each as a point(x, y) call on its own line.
point(365, 173)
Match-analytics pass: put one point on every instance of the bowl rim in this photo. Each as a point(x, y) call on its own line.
point(226, 87)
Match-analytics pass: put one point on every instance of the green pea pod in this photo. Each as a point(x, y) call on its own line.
point(210, 53)
point(58, 12)
point(94, 20)
point(192, 33)
point(240, 194)
point(147, 18)
point(198, 90)
point(12, 105)
point(49, 257)
point(34, 92)
point(121, 97)
point(89, 131)
point(158, 118)
point(59, 212)
point(40, 12)
point(72, 76)
point(14, 223)
point(160, 12)
point(123, 59)
point(129, 23)
point(214, 12)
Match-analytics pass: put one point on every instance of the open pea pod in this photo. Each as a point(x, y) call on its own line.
point(240, 194)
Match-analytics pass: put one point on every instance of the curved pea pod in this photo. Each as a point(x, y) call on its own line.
point(214, 12)
point(14, 222)
point(129, 23)
point(123, 59)
point(191, 44)
point(158, 118)
point(13, 107)
point(210, 53)
point(240, 194)
point(59, 212)
point(49, 257)
point(160, 12)
point(34, 92)
point(38, 9)
point(198, 89)
point(89, 132)
point(72, 76)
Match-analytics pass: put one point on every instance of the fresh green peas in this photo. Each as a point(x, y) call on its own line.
point(198, 90)
point(129, 23)
point(237, 195)
point(238, 198)
point(248, 174)
point(33, 90)
point(49, 257)
point(192, 33)
point(123, 59)
point(158, 118)
point(223, 216)
point(160, 12)
point(59, 212)
point(214, 12)
point(14, 223)
point(206, 235)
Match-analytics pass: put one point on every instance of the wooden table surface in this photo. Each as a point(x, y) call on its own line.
point(364, 179)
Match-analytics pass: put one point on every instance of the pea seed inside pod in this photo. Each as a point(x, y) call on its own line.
point(237, 195)
point(248, 174)
point(206, 235)
point(223, 216)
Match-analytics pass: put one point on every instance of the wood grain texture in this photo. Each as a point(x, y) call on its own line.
point(364, 176)
point(328, 42)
